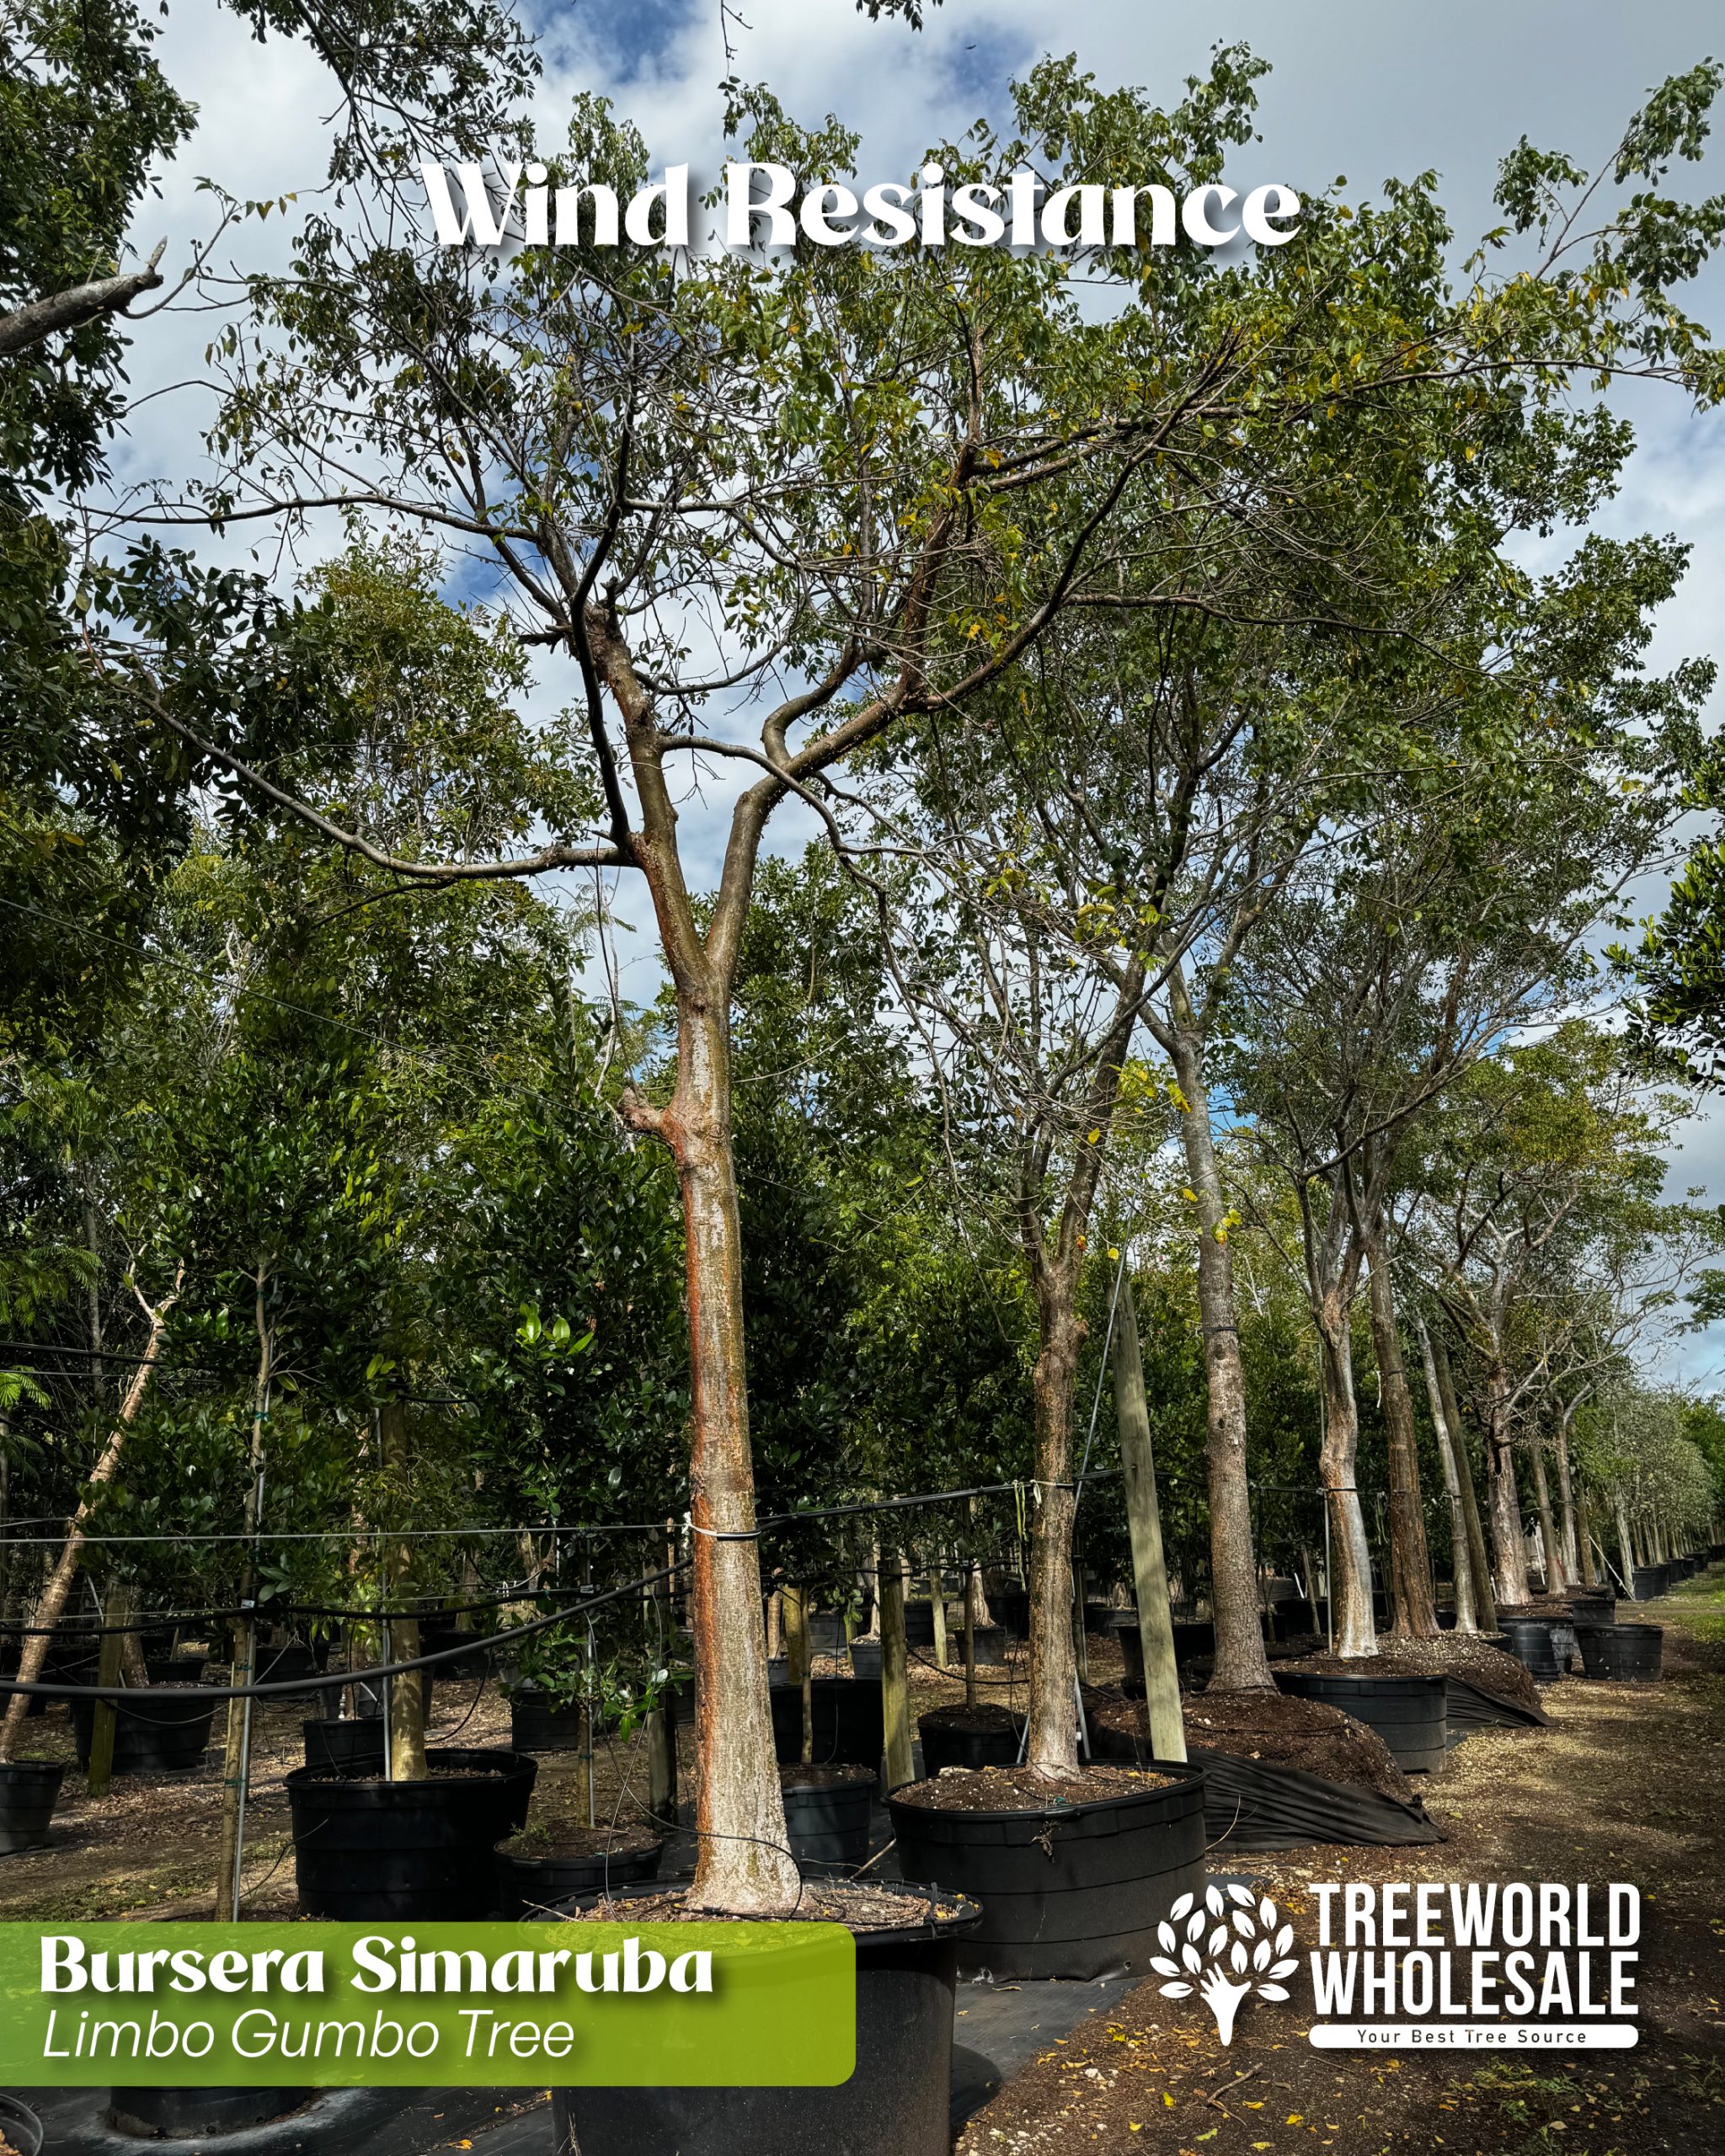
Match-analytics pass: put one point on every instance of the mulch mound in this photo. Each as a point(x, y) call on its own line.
point(1282, 1732)
point(1460, 1654)
point(982, 1720)
point(566, 1838)
point(1026, 1789)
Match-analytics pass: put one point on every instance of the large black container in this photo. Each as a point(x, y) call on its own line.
point(865, 1660)
point(894, 2104)
point(1532, 1642)
point(535, 1726)
point(988, 1645)
point(1068, 1893)
point(367, 1850)
point(1651, 1581)
point(28, 1790)
point(19, 2125)
point(175, 1669)
point(1293, 1617)
point(943, 1746)
point(850, 1727)
point(1631, 1654)
point(475, 1662)
point(159, 1730)
point(1406, 1709)
point(526, 1884)
point(1194, 1639)
point(1012, 1608)
point(828, 1822)
point(826, 1632)
point(355, 1745)
point(919, 1624)
point(186, 2114)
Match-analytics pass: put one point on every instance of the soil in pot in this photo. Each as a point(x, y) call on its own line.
point(982, 1736)
point(1073, 1874)
point(896, 2102)
point(538, 1869)
point(368, 1850)
point(827, 1812)
point(1485, 1686)
point(27, 1790)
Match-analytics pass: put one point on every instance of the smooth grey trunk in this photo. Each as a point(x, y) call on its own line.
point(1351, 1615)
point(1557, 1575)
point(1485, 1600)
point(1156, 1618)
point(1572, 1542)
point(1415, 1610)
point(1240, 1662)
point(1509, 1578)
point(1461, 1555)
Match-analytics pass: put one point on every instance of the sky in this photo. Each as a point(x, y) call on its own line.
point(1358, 88)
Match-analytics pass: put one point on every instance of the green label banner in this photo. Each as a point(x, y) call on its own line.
point(490, 2005)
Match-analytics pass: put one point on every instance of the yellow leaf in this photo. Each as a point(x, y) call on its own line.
point(1092, 1137)
point(1294, 2118)
point(1190, 1195)
point(1167, 2100)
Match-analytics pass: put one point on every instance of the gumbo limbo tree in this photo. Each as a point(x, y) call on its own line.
point(761, 512)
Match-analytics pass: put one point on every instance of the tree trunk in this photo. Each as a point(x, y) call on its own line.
point(1416, 1614)
point(1461, 1556)
point(895, 1673)
point(1485, 1603)
point(1571, 1543)
point(1156, 1618)
point(407, 1693)
point(1241, 1664)
point(1351, 1616)
point(1052, 1744)
point(1625, 1545)
point(236, 1754)
point(1509, 1545)
point(937, 1612)
point(52, 1604)
point(1584, 1540)
point(1557, 1578)
point(744, 1866)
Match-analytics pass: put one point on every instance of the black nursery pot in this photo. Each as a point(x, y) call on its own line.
point(535, 1726)
point(1650, 1581)
point(159, 1730)
point(19, 2125)
point(366, 1851)
point(894, 2104)
point(1629, 1654)
point(850, 1726)
point(1293, 1617)
point(1406, 1710)
point(356, 1746)
point(919, 1624)
point(865, 1660)
point(180, 2114)
point(1011, 1606)
point(1531, 1639)
point(826, 1632)
point(27, 1790)
point(828, 1822)
point(945, 1745)
point(1065, 1893)
point(526, 1883)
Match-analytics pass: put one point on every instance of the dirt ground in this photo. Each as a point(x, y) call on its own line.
point(1627, 1784)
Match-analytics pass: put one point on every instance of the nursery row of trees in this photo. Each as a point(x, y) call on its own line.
point(1219, 827)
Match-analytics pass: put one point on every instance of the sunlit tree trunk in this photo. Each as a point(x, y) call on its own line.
point(1509, 1545)
point(1461, 1555)
point(1485, 1602)
point(1350, 1554)
point(1556, 1573)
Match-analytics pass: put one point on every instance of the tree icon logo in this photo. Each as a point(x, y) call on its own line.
point(1231, 1965)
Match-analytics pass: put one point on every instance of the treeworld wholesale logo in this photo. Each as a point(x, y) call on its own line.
point(1436, 1966)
